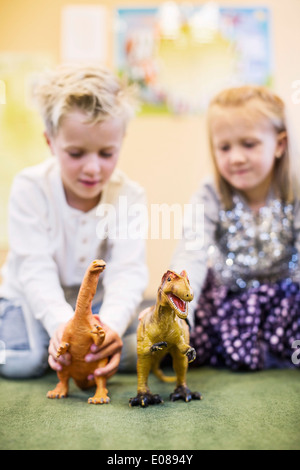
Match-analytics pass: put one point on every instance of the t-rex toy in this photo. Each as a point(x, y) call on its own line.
point(80, 333)
point(163, 329)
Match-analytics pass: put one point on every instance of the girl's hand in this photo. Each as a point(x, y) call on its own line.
point(54, 362)
point(110, 348)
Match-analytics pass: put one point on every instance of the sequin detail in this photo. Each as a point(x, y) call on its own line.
point(252, 248)
point(251, 329)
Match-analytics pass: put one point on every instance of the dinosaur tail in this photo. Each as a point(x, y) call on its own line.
point(161, 376)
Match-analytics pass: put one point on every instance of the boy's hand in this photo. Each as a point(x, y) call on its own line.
point(65, 359)
point(111, 348)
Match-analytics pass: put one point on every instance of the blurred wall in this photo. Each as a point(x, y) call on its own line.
point(167, 155)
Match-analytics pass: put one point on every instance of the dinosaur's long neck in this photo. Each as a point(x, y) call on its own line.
point(86, 294)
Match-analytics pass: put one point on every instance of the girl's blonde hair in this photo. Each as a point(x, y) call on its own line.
point(264, 103)
point(92, 89)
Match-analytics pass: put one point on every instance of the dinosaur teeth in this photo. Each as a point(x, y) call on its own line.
point(177, 302)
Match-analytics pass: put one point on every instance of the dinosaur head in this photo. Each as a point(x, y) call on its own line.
point(175, 291)
point(97, 266)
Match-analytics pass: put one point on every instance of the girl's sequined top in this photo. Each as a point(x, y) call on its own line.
point(254, 247)
point(242, 247)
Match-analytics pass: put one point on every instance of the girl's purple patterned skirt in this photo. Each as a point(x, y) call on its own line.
point(248, 330)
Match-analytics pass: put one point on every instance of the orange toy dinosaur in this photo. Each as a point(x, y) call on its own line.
point(163, 329)
point(80, 333)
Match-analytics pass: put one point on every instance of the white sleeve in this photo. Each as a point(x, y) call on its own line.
point(32, 253)
point(198, 234)
point(126, 274)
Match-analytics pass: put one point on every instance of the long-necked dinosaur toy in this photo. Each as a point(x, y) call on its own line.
point(163, 330)
point(80, 333)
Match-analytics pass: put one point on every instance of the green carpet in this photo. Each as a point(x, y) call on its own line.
point(239, 411)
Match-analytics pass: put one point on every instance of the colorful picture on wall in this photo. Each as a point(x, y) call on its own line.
point(180, 55)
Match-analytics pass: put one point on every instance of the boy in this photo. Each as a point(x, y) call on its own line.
point(54, 217)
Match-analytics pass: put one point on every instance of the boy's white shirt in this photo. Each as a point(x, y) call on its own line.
point(52, 244)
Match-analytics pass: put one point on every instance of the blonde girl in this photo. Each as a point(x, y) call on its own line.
point(246, 276)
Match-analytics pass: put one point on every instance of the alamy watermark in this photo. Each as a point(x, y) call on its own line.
point(2, 352)
point(296, 93)
point(2, 92)
point(158, 222)
point(296, 355)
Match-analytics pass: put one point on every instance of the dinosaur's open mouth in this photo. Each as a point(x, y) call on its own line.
point(177, 302)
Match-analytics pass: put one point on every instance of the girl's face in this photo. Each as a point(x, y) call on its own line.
point(245, 151)
point(87, 154)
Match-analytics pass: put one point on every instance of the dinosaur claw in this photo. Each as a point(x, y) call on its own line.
point(134, 402)
point(144, 400)
point(158, 346)
point(97, 330)
point(63, 348)
point(98, 400)
point(183, 393)
point(191, 354)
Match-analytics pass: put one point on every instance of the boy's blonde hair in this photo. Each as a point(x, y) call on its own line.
point(263, 103)
point(92, 89)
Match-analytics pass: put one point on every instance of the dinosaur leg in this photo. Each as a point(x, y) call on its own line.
point(62, 388)
point(63, 348)
point(187, 350)
point(100, 396)
point(182, 392)
point(144, 397)
point(98, 334)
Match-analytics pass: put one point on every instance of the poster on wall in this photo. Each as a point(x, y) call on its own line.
point(180, 55)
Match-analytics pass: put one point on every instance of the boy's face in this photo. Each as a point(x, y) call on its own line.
point(87, 154)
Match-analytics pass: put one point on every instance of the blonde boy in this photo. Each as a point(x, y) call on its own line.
point(54, 218)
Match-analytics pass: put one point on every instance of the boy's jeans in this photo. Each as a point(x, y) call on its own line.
point(24, 342)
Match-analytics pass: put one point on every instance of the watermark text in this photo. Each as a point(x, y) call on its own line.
point(2, 92)
point(2, 352)
point(296, 353)
point(296, 93)
point(158, 222)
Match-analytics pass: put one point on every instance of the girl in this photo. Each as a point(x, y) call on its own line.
point(245, 276)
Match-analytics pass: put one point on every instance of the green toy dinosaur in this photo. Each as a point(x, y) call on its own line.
point(163, 330)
